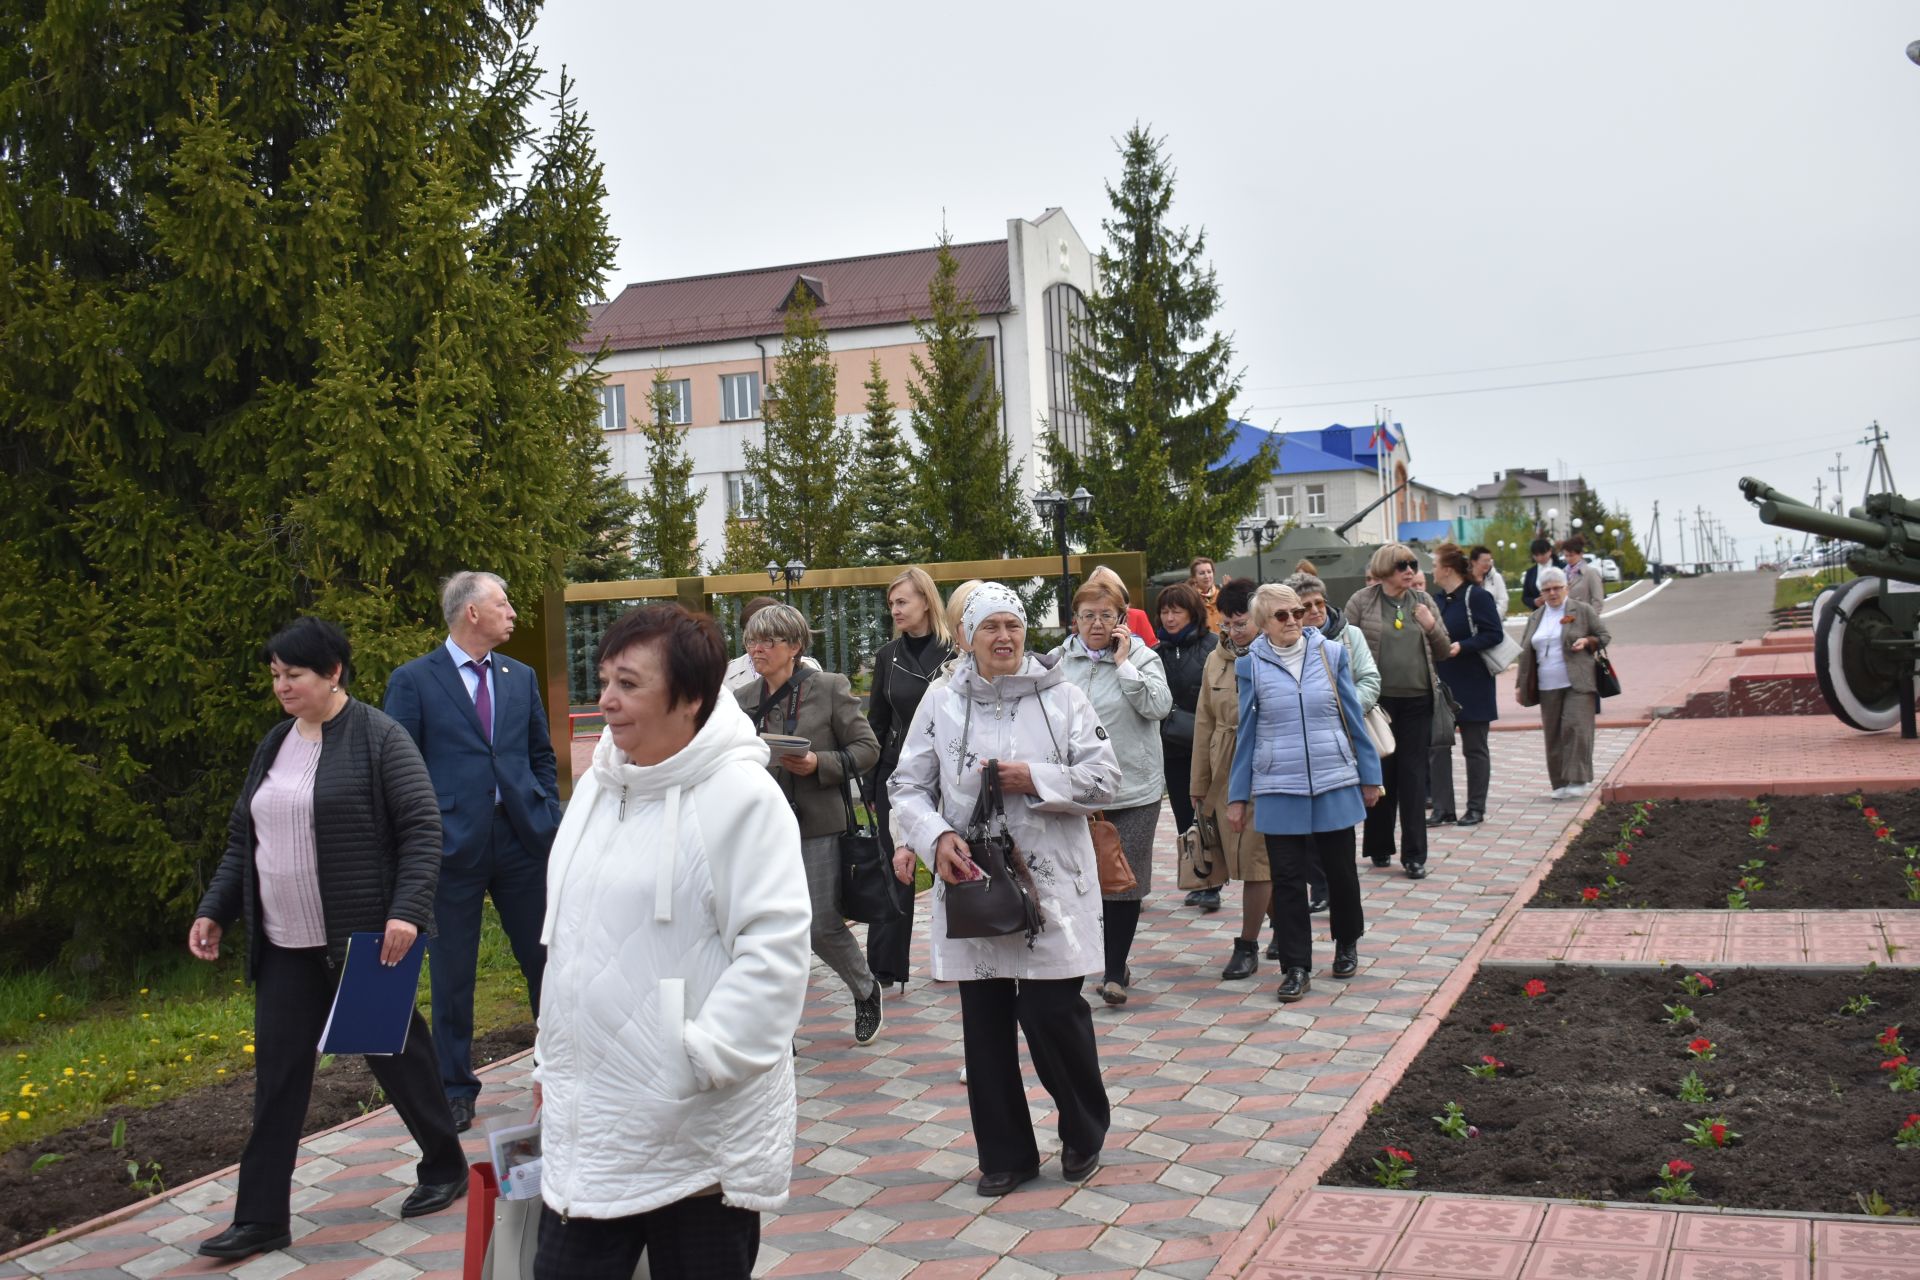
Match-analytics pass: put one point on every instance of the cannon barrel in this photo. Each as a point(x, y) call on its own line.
point(1784, 512)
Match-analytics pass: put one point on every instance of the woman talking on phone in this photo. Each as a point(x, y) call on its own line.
point(1126, 682)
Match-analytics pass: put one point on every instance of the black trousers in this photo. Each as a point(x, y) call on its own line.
point(698, 1238)
point(1179, 769)
point(890, 942)
point(1474, 735)
point(1058, 1026)
point(291, 1002)
point(1405, 794)
point(1291, 857)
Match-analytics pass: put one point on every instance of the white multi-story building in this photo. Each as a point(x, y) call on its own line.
point(717, 336)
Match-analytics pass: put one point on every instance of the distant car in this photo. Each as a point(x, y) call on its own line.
point(1609, 570)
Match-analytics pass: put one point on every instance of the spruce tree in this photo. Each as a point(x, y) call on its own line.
point(608, 552)
point(288, 295)
point(882, 489)
point(667, 526)
point(967, 492)
point(1155, 384)
point(799, 468)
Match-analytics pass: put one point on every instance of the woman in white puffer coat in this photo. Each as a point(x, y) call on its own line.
point(677, 953)
point(1056, 767)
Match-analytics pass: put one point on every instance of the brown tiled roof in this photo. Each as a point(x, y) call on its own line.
point(881, 288)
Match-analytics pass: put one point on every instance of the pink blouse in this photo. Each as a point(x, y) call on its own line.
point(284, 853)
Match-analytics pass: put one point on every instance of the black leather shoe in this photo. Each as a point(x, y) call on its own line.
point(432, 1197)
point(1244, 963)
point(1471, 818)
point(1346, 959)
point(1208, 901)
point(1075, 1167)
point(1294, 986)
point(1417, 871)
point(244, 1239)
point(998, 1184)
point(1382, 863)
point(462, 1113)
point(1439, 819)
point(1316, 905)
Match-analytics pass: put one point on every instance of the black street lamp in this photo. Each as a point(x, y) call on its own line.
point(1052, 507)
point(1257, 533)
point(792, 571)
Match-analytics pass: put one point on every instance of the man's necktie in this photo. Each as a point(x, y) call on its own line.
point(482, 700)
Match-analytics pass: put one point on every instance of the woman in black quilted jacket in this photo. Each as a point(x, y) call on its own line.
point(1185, 642)
point(336, 832)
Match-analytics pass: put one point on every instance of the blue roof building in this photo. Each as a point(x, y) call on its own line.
point(1325, 476)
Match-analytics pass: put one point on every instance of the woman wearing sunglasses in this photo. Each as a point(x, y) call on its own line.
point(1403, 631)
point(1305, 772)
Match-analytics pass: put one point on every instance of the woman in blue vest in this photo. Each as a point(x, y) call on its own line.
point(1307, 768)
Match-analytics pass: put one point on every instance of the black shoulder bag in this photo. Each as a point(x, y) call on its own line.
point(866, 873)
point(1002, 899)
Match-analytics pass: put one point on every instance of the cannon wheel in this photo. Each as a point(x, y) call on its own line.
point(1860, 685)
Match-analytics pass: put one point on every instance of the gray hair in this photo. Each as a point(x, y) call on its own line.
point(1550, 576)
point(1269, 597)
point(463, 588)
point(1304, 583)
point(781, 623)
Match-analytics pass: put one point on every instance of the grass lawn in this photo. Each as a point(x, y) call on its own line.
point(81, 1043)
point(1788, 592)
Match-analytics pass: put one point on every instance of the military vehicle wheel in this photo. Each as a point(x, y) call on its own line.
point(1860, 682)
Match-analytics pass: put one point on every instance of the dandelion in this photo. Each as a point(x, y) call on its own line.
point(66, 1071)
point(246, 1048)
point(23, 1115)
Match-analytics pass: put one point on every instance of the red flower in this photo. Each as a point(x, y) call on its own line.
point(1894, 1064)
point(1887, 1038)
point(1912, 1120)
point(1589, 894)
point(1744, 882)
point(1622, 858)
point(1535, 989)
point(1757, 819)
point(1719, 1134)
point(1871, 812)
point(1498, 1028)
point(1639, 831)
point(1700, 1045)
point(1882, 833)
point(1678, 1167)
point(1492, 1061)
point(1395, 1153)
point(1704, 981)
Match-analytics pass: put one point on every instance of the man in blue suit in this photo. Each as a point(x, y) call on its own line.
point(480, 724)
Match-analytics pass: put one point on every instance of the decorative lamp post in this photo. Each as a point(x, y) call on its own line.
point(1052, 508)
point(1257, 533)
point(791, 572)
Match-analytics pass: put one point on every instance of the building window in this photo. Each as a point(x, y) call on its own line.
point(743, 496)
point(1260, 508)
point(1065, 318)
point(1461, 511)
point(739, 396)
point(680, 408)
point(613, 407)
point(1283, 503)
point(1316, 500)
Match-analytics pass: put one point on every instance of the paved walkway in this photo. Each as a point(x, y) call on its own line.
point(1217, 1093)
point(1786, 755)
point(1803, 939)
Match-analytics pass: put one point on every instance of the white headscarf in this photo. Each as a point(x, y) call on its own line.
point(988, 599)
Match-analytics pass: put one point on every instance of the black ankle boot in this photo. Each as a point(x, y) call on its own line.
point(1245, 962)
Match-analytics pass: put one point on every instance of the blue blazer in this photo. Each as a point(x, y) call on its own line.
point(1467, 675)
point(429, 699)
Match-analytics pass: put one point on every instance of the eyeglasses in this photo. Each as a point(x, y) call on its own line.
point(1406, 566)
point(765, 644)
point(1098, 617)
point(1295, 614)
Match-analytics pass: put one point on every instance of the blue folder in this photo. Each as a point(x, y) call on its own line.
point(373, 1006)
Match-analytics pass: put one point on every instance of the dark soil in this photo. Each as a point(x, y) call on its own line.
point(189, 1136)
point(1820, 854)
point(1587, 1108)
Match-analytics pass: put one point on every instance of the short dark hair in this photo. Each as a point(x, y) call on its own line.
point(313, 643)
point(1235, 597)
point(1542, 547)
point(1575, 544)
point(1182, 596)
point(1479, 549)
point(691, 651)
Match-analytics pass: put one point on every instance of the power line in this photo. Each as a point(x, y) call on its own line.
point(1617, 355)
point(1595, 377)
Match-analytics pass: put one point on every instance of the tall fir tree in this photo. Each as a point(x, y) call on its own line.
point(288, 295)
point(967, 492)
point(1155, 384)
point(608, 551)
point(667, 527)
point(882, 489)
point(800, 466)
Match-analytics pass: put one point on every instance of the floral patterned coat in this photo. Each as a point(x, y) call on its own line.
point(1039, 718)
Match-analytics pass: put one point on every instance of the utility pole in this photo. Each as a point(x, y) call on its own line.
point(1839, 469)
point(1700, 534)
point(1878, 470)
point(1653, 537)
point(1680, 528)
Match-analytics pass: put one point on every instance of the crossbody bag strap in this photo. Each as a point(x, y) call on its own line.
point(1334, 685)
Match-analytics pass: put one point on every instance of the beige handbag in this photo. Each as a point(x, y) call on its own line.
point(1380, 729)
point(1203, 863)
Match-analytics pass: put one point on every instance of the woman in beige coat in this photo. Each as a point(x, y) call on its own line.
point(1216, 722)
point(1556, 673)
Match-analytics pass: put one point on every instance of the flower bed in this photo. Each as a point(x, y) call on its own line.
point(1772, 1089)
point(1774, 853)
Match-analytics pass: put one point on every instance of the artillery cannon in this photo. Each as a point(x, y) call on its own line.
point(1866, 633)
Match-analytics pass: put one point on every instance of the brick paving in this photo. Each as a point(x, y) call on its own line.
point(1802, 939)
point(1749, 756)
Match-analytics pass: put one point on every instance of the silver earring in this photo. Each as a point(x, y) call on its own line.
point(333, 688)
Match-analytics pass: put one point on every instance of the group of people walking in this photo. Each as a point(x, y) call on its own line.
point(664, 925)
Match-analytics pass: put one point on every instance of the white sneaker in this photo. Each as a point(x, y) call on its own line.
point(1560, 793)
point(963, 1075)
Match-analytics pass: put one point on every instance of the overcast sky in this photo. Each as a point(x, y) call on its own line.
point(1387, 190)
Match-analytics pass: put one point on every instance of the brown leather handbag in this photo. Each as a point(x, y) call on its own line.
point(1115, 875)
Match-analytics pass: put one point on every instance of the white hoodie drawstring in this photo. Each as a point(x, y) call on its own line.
point(669, 860)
